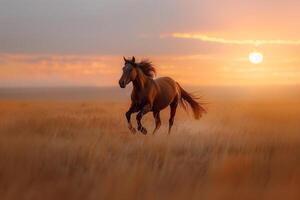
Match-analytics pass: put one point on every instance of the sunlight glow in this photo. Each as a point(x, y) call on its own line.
point(256, 57)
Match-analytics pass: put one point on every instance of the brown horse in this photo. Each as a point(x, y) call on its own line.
point(153, 95)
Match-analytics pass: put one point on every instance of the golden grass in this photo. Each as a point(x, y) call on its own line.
point(83, 150)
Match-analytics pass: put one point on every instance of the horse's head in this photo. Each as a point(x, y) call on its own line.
point(129, 72)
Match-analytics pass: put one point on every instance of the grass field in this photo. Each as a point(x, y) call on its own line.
point(244, 148)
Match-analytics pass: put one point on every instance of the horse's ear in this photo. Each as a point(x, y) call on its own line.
point(133, 59)
point(124, 59)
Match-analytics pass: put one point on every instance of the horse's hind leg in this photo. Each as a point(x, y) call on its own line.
point(173, 107)
point(156, 116)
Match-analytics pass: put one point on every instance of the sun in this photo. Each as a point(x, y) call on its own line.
point(256, 57)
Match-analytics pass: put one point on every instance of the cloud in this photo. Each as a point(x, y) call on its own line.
point(25, 69)
point(220, 40)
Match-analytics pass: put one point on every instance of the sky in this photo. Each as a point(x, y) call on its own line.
point(197, 42)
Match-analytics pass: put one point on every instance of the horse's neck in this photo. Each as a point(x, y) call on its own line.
point(140, 82)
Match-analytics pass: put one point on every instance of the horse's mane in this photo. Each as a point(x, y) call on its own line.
point(147, 67)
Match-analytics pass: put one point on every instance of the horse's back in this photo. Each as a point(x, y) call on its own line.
point(166, 83)
point(167, 91)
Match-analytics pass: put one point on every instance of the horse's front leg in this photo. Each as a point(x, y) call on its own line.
point(145, 110)
point(128, 116)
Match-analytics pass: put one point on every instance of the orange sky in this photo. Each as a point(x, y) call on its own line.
point(77, 43)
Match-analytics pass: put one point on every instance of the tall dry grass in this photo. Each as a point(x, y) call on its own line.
point(82, 150)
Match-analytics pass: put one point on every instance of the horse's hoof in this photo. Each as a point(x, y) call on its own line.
point(131, 128)
point(133, 131)
point(144, 131)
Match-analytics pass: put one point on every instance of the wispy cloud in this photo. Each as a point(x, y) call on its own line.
point(207, 38)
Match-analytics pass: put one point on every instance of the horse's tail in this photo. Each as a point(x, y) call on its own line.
point(196, 106)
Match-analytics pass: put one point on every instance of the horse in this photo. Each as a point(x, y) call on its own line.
point(154, 95)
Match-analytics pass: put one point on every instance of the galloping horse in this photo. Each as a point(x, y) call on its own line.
point(153, 95)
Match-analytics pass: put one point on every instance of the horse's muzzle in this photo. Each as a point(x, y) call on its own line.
point(122, 84)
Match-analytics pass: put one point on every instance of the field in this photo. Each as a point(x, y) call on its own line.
point(246, 147)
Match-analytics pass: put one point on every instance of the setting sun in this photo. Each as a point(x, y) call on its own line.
point(256, 57)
